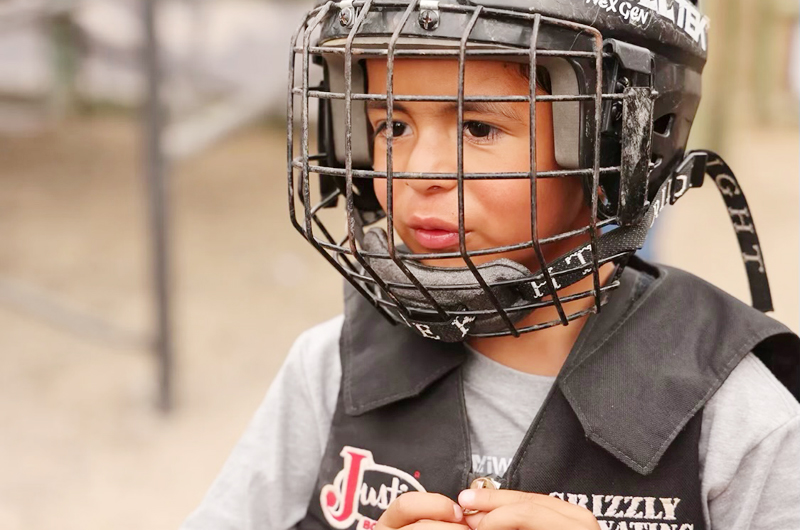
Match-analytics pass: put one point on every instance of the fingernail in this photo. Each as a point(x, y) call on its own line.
point(459, 512)
point(466, 498)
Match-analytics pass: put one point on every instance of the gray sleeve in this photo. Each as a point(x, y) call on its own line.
point(750, 453)
point(268, 480)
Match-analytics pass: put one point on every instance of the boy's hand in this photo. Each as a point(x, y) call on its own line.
point(428, 511)
point(516, 510)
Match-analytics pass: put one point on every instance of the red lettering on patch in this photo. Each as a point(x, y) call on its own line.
point(341, 500)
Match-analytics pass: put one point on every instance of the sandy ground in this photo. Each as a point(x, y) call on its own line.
point(83, 446)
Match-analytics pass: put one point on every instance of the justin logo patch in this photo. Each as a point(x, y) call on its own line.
point(363, 490)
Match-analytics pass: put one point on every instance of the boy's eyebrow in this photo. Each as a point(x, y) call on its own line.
point(381, 105)
point(504, 109)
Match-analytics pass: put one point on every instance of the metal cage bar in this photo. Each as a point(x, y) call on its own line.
point(368, 173)
point(505, 52)
point(481, 252)
point(462, 244)
point(352, 222)
point(598, 119)
point(301, 161)
point(390, 164)
point(551, 285)
point(318, 14)
point(320, 94)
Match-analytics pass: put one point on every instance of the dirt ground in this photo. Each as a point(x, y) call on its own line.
point(83, 446)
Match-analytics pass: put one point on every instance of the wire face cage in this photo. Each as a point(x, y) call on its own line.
point(602, 109)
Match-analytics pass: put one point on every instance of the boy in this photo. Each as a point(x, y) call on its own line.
point(467, 354)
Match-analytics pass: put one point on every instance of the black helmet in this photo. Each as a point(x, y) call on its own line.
point(624, 80)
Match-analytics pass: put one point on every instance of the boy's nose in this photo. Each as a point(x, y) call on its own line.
point(432, 155)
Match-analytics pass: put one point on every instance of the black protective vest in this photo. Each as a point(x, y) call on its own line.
point(618, 433)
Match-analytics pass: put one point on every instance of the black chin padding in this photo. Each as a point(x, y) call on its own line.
point(465, 293)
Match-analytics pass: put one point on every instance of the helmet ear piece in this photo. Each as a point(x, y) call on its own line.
point(331, 134)
point(335, 80)
point(364, 198)
point(566, 114)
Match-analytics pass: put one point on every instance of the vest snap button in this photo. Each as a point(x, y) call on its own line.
point(482, 483)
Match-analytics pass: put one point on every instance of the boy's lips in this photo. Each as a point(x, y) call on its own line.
point(435, 234)
point(436, 239)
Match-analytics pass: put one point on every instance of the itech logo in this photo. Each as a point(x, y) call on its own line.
point(362, 490)
point(683, 13)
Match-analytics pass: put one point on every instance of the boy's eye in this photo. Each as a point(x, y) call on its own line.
point(480, 132)
point(398, 129)
point(478, 129)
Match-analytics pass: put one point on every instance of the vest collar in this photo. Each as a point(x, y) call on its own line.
point(383, 363)
point(648, 365)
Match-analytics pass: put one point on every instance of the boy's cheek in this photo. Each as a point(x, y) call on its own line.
point(379, 185)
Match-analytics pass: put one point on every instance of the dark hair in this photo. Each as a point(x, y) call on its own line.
point(542, 76)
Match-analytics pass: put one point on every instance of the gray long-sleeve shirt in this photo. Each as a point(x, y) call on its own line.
point(749, 444)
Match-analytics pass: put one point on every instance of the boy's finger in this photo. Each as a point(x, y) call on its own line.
point(415, 506)
point(437, 525)
point(530, 516)
point(485, 500)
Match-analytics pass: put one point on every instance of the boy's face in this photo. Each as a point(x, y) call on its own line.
point(496, 139)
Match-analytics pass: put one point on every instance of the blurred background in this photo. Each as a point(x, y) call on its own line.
point(117, 414)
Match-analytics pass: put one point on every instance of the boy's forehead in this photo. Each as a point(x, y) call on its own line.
point(440, 77)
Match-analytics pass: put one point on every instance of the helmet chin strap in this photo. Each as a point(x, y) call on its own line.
point(520, 291)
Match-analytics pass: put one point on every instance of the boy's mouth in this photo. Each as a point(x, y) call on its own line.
point(436, 239)
point(435, 234)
